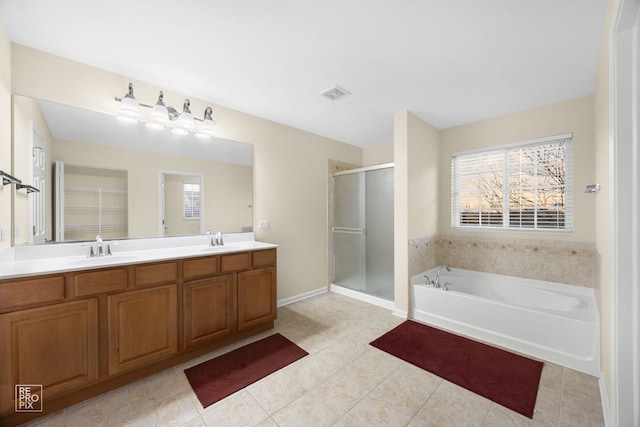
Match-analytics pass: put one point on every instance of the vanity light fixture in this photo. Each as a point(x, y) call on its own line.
point(162, 115)
point(186, 118)
point(128, 105)
point(208, 126)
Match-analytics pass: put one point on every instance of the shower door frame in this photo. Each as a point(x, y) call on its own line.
point(339, 289)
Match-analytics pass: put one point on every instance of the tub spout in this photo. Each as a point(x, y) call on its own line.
point(437, 282)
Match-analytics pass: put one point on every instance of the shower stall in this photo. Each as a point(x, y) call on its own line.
point(362, 229)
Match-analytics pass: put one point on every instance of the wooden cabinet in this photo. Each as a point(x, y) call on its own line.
point(156, 274)
point(96, 282)
point(256, 297)
point(85, 332)
point(209, 312)
point(142, 327)
point(19, 293)
point(54, 346)
point(235, 262)
point(199, 267)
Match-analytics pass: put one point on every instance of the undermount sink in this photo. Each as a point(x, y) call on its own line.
point(216, 248)
point(229, 246)
point(107, 259)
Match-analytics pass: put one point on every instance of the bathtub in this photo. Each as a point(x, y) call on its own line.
point(549, 321)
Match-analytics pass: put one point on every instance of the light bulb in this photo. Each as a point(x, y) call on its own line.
point(208, 126)
point(160, 113)
point(128, 105)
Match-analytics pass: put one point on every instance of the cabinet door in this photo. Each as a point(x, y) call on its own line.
point(256, 297)
point(54, 346)
point(209, 309)
point(142, 327)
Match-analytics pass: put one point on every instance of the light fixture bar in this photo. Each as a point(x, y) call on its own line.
point(171, 109)
point(161, 115)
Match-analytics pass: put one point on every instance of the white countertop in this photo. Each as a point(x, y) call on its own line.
point(62, 258)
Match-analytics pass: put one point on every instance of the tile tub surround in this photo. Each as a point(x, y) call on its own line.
point(572, 263)
point(343, 382)
point(422, 254)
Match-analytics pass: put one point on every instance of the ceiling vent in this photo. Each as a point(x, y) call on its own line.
point(335, 93)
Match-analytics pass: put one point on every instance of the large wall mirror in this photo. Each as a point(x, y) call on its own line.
point(98, 175)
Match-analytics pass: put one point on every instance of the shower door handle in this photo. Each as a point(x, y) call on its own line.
point(348, 230)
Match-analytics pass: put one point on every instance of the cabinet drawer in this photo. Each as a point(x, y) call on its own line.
point(263, 258)
point(154, 274)
point(95, 282)
point(233, 262)
point(31, 291)
point(199, 267)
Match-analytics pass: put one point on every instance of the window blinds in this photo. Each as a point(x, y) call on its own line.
point(524, 186)
point(191, 200)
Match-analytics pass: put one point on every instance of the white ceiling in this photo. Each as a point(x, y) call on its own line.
point(448, 61)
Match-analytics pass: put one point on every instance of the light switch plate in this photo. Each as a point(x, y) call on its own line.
point(4, 234)
point(263, 224)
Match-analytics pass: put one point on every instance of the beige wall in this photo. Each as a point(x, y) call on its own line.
point(290, 165)
point(5, 136)
point(415, 193)
point(575, 116)
point(377, 154)
point(602, 208)
point(424, 145)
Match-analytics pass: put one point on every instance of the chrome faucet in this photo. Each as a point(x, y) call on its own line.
point(100, 251)
point(436, 284)
point(216, 240)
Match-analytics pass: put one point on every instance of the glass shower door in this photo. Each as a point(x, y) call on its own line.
point(349, 231)
point(379, 238)
point(363, 231)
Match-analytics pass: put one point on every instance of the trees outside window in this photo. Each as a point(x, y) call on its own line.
point(518, 186)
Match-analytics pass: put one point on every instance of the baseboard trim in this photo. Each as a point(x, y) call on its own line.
point(300, 297)
point(401, 313)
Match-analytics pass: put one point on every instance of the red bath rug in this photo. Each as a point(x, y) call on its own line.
point(503, 377)
point(217, 378)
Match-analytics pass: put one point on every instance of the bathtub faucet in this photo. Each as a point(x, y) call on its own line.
point(436, 284)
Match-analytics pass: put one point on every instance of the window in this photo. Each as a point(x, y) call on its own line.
point(191, 200)
point(524, 186)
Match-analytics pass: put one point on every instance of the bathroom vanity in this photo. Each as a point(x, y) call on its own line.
point(79, 326)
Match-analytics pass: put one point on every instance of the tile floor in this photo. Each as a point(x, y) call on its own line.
point(343, 382)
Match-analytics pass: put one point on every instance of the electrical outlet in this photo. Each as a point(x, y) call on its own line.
point(4, 234)
point(16, 232)
point(263, 224)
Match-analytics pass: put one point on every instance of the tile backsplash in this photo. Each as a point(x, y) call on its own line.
point(551, 260)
